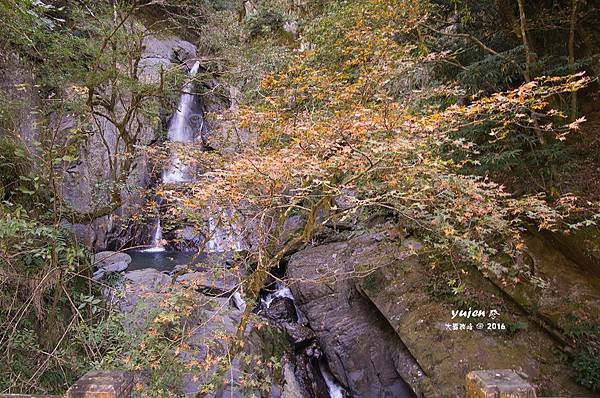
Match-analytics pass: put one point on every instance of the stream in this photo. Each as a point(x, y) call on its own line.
point(282, 293)
point(276, 302)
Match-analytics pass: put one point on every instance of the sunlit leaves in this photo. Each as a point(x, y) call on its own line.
point(329, 124)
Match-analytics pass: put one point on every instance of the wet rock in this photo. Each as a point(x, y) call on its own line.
point(282, 309)
point(364, 352)
point(164, 52)
point(107, 258)
point(308, 375)
point(299, 335)
point(148, 292)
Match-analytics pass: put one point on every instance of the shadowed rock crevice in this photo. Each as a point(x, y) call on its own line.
point(364, 352)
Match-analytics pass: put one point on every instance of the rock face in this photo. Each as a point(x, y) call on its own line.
point(84, 181)
point(363, 351)
point(369, 300)
point(581, 246)
point(404, 291)
point(18, 84)
point(282, 310)
point(571, 290)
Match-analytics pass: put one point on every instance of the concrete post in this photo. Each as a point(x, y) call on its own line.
point(102, 384)
point(503, 383)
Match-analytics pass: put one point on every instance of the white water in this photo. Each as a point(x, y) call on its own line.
point(281, 292)
point(334, 389)
point(157, 240)
point(181, 130)
point(239, 301)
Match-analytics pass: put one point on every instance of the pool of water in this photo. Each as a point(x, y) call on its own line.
point(162, 260)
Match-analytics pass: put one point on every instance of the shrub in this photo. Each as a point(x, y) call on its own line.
point(587, 368)
point(269, 18)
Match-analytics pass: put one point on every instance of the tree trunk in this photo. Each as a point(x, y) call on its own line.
point(571, 46)
point(523, 27)
point(528, 62)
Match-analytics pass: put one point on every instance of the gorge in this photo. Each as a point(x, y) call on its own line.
point(300, 198)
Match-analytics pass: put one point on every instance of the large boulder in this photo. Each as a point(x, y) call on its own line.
point(107, 258)
point(281, 309)
point(363, 351)
point(109, 261)
point(370, 299)
point(379, 317)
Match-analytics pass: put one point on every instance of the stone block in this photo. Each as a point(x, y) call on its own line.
point(102, 384)
point(504, 383)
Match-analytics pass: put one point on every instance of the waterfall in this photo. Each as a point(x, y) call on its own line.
point(334, 389)
point(225, 234)
point(239, 301)
point(157, 244)
point(181, 130)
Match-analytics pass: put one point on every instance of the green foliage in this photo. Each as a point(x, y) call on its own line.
point(324, 32)
point(494, 72)
point(269, 18)
point(519, 155)
point(514, 327)
point(42, 270)
point(587, 367)
point(372, 282)
point(41, 33)
point(15, 180)
point(7, 117)
point(477, 45)
point(586, 360)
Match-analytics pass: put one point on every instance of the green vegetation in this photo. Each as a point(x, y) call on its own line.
point(43, 275)
point(586, 360)
point(463, 121)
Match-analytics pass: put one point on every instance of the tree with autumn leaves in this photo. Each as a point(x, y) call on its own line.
point(364, 120)
point(338, 136)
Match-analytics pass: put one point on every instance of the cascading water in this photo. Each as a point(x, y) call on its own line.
point(157, 240)
point(334, 389)
point(181, 130)
point(184, 123)
point(225, 235)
